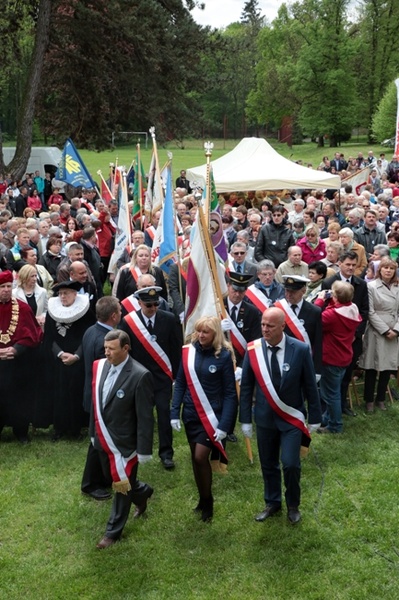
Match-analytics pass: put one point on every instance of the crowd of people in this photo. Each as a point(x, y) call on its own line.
point(312, 295)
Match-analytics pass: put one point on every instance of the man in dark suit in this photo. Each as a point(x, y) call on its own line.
point(347, 265)
point(244, 317)
point(279, 368)
point(302, 314)
point(78, 272)
point(238, 262)
point(156, 342)
point(243, 322)
point(92, 257)
point(182, 182)
point(108, 313)
point(122, 426)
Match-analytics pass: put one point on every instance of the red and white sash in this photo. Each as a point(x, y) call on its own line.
point(130, 304)
point(258, 363)
point(135, 273)
point(152, 347)
point(201, 402)
point(258, 298)
point(151, 231)
point(293, 322)
point(121, 467)
point(237, 339)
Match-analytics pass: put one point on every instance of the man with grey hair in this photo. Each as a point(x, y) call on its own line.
point(294, 265)
point(266, 290)
point(355, 218)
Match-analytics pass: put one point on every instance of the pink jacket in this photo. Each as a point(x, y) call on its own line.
point(310, 254)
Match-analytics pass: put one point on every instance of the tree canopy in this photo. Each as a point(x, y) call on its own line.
point(83, 69)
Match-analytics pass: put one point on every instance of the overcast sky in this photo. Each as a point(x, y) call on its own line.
point(220, 13)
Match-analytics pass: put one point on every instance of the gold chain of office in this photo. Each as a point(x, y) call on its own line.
point(5, 338)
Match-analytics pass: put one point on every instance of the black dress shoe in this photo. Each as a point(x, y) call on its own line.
point(168, 463)
point(270, 510)
point(232, 438)
point(207, 510)
point(294, 516)
point(141, 508)
point(348, 412)
point(99, 495)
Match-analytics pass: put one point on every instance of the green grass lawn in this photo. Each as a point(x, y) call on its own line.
point(346, 546)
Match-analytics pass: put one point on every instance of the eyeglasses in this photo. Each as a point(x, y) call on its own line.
point(239, 253)
point(151, 304)
point(277, 215)
point(366, 205)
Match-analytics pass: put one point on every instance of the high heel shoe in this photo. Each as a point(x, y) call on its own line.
point(207, 510)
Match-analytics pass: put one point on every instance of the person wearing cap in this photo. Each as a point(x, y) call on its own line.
point(294, 265)
point(279, 370)
point(274, 239)
point(238, 261)
point(156, 343)
point(68, 317)
point(243, 321)
point(303, 319)
point(20, 334)
point(131, 303)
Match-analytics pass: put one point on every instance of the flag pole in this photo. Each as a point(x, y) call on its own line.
point(157, 170)
point(208, 146)
point(104, 182)
point(140, 194)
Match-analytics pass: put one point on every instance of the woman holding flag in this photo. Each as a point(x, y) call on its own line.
point(205, 386)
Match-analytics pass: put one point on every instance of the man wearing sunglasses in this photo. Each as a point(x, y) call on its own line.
point(238, 262)
point(156, 343)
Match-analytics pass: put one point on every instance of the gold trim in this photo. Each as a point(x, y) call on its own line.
point(5, 338)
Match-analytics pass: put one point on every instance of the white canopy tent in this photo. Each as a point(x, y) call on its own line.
point(254, 165)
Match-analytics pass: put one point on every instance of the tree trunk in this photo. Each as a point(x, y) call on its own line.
point(27, 112)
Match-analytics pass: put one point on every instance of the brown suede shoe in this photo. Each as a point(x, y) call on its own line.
point(106, 542)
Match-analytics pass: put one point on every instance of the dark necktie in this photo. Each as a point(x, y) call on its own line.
point(294, 307)
point(239, 269)
point(150, 327)
point(233, 314)
point(275, 368)
point(348, 281)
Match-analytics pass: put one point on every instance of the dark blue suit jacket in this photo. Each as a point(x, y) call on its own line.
point(297, 382)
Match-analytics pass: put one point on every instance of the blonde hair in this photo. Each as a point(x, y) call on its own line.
point(137, 250)
point(213, 323)
point(343, 291)
point(24, 273)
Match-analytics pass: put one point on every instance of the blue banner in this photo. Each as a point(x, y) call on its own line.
point(72, 169)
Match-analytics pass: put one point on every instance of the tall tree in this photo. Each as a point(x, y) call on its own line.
point(30, 21)
point(135, 65)
point(384, 120)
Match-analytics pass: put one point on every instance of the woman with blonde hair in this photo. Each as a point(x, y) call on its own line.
point(313, 248)
point(381, 338)
point(140, 264)
point(205, 388)
point(333, 230)
point(30, 292)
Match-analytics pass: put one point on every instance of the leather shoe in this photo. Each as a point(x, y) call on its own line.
point(323, 430)
point(141, 508)
point(168, 463)
point(99, 495)
point(270, 510)
point(232, 438)
point(106, 542)
point(348, 412)
point(294, 516)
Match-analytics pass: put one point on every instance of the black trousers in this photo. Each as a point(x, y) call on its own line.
point(272, 443)
point(93, 475)
point(162, 398)
point(122, 503)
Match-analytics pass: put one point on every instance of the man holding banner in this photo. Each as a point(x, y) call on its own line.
point(280, 370)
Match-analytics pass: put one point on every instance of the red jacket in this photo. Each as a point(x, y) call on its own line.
point(310, 254)
point(105, 236)
point(339, 323)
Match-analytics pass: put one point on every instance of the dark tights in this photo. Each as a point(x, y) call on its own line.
point(369, 385)
point(202, 469)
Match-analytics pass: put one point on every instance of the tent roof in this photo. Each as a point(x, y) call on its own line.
point(254, 165)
